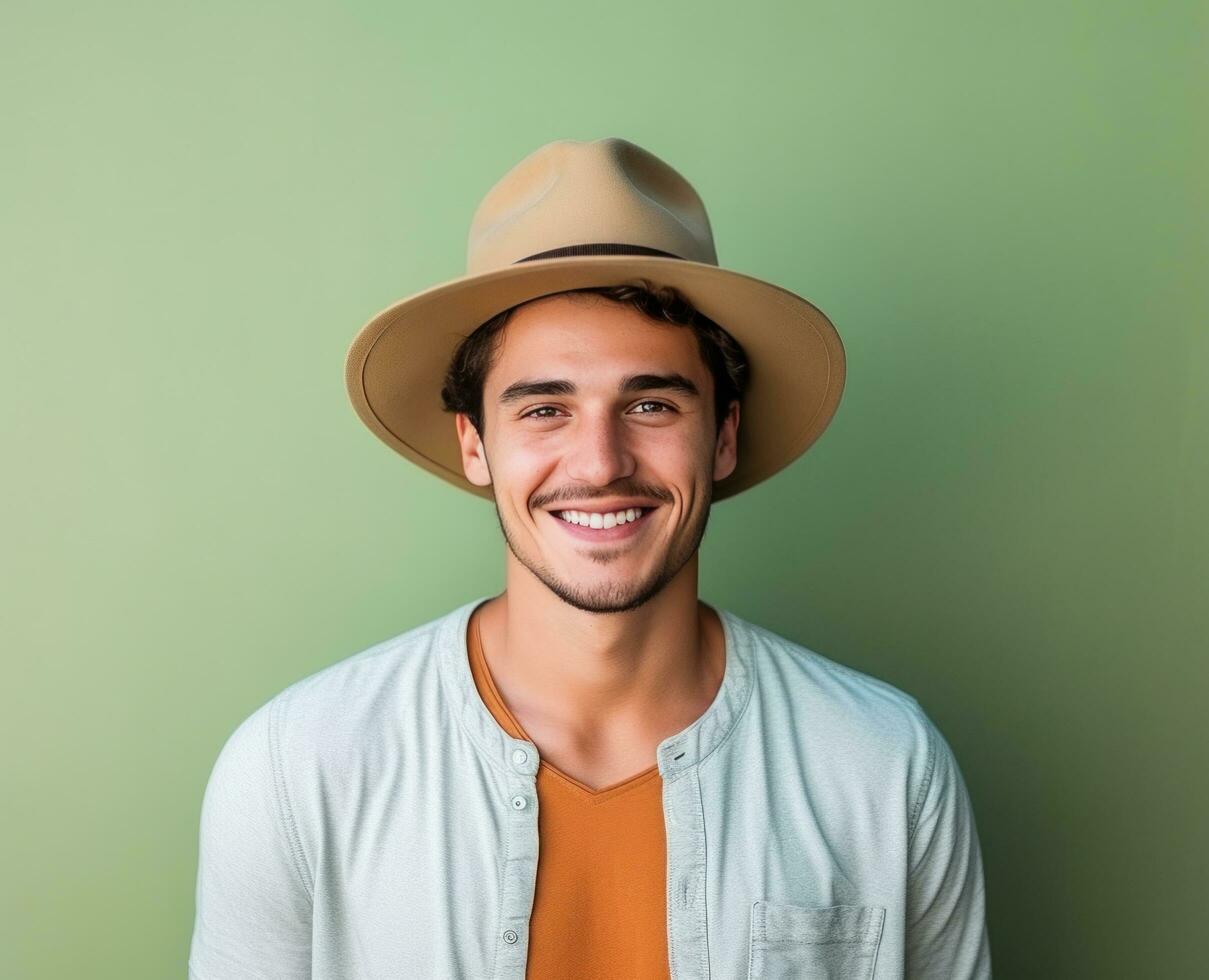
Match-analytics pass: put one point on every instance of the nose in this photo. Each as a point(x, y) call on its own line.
point(598, 454)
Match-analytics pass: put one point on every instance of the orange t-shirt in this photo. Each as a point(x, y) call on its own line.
point(600, 901)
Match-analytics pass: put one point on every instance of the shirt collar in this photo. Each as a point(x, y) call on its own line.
point(675, 754)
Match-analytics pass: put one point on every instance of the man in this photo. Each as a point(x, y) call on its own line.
point(592, 774)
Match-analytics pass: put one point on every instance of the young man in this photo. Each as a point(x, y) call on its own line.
point(592, 774)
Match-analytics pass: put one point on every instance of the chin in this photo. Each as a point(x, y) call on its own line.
point(611, 595)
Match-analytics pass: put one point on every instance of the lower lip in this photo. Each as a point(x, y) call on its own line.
point(619, 532)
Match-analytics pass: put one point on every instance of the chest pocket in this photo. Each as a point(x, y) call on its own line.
point(799, 942)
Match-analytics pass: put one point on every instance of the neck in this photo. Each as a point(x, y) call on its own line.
point(597, 679)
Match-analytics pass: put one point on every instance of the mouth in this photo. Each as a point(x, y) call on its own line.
point(602, 534)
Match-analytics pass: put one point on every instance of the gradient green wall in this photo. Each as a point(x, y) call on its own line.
point(1002, 208)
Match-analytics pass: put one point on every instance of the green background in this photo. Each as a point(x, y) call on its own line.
point(1002, 208)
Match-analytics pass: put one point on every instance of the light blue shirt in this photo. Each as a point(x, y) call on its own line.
point(374, 822)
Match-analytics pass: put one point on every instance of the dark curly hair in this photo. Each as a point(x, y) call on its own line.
point(722, 354)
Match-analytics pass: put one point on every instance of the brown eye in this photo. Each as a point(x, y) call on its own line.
point(540, 408)
point(661, 405)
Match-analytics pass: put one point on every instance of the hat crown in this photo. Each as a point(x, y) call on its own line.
point(575, 192)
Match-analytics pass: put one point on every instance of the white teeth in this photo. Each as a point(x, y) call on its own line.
point(587, 519)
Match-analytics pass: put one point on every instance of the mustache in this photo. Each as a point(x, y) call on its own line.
point(581, 493)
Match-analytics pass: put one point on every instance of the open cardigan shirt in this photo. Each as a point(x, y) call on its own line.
point(374, 822)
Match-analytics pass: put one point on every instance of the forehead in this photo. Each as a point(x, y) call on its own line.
point(590, 340)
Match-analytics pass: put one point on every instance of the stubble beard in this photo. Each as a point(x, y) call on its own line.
point(610, 597)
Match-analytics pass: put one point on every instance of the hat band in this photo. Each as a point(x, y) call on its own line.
point(597, 248)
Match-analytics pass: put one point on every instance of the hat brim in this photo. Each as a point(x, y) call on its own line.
point(396, 365)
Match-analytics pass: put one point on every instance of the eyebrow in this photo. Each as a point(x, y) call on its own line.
point(630, 383)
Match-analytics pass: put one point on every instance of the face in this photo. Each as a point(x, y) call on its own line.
point(591, 407)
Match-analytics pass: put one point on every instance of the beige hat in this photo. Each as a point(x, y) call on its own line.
point(578, 214)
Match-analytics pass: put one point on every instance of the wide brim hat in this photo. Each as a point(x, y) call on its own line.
point(578, 214)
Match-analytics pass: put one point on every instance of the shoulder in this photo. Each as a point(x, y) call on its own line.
point(356, 702)
point(826, 685)
point(358, 686)
point(829, 708)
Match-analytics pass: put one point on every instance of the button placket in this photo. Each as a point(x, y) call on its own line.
point(685, 823)
point(520, 866)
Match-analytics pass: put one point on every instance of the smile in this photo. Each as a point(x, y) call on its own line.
point(608, 530)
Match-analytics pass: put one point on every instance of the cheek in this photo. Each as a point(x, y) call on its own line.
point(526, 456)
point(523, 467)
point(678, 452)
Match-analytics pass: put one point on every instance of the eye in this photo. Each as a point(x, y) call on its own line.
point(662, 405)
point(540, 408)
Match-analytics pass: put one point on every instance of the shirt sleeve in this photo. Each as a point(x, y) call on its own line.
point(253, 911)
point(946, 897)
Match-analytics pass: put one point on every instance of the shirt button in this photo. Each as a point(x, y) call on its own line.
point(510, 937)
point(520, 757)
point(519, 803)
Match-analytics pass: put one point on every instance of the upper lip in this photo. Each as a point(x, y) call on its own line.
point(605, 506)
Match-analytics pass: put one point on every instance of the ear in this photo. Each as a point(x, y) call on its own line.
point(474, 457)
point(726, 450)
